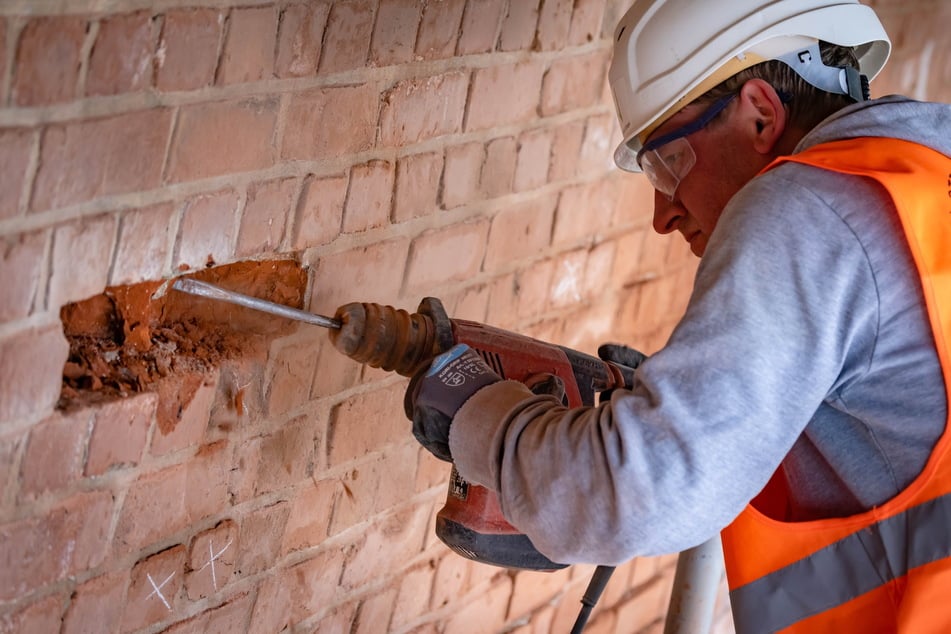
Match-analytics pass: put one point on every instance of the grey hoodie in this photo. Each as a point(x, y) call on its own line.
point(805, 343)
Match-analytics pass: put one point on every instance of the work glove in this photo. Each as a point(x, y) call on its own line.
point(436, 393)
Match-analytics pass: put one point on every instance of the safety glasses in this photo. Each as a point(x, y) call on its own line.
point(667, 159)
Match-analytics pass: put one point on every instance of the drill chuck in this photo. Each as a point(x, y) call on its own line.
point(385, 337)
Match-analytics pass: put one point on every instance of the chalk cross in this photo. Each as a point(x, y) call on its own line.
point(157, 589)
point(212, 556)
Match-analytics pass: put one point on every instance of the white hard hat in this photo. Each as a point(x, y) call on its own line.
point(669, 52)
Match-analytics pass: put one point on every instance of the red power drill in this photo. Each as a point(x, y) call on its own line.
point(471, 522)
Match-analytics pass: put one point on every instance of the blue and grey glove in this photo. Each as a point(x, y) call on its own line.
point(435, 395)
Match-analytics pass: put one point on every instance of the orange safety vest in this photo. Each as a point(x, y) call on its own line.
point(887, 569)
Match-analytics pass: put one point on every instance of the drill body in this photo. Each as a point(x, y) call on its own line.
point(471, 522)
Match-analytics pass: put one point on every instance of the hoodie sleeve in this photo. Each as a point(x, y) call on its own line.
point(783, 301)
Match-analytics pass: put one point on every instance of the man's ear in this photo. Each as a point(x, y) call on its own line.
point(765, 114)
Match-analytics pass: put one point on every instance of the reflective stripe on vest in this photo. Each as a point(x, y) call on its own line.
point(863, 572)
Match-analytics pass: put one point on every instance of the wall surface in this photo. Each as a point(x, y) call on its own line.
point(394, 149)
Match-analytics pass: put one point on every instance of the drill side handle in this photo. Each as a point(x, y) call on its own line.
point(594, 375)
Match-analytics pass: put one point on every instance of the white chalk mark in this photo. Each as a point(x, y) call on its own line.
point(157, 589)
point(212, 556)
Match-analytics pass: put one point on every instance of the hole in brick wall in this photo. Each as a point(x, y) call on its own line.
point(130, 340)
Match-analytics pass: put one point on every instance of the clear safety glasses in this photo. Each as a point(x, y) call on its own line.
point(667, 159)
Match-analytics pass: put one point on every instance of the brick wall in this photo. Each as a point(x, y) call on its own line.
point(396, 149)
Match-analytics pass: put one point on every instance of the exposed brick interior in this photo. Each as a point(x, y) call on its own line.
point(381, 150)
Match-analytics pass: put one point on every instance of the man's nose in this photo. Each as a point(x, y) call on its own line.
point(667, 213)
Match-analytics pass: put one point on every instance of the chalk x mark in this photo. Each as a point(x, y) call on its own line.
point(157, 589)
point(212, 556)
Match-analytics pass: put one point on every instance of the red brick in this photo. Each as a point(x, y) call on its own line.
point(413, 599)
point(449, 584)
point(423, 108)
point(396, 539)
point(82, 252)
point(430, 471)
point(374, 612)
point(287, 456)
point(145, 241)
point(635, 204)
point(573, 83)
point(335, 372)
point(586, 22)
point(54, 453)
point(207, 481)
point(367, 274)
point(248, 53)
point(260, 539)
point(518, 26)
point(265, 212)
point(503, 302)
point(519, 231)
point(582, 210)
point(521, 82)
point(207, 230)
point(374, 487)
point(122, 56)
point(597, 272)
point(394, 35)
point(16, 145)
point(568, 279)
point(22, 260)
point(154, 507)
point(480, 27)
point(97, 605)
point(451, 254)
point(417, 186)
point(188, 50)
point(319, 210)
point(48, 58)
point(119, 433)
point(498, 171)
point(370, 197)
point(290, 372)
point(597, 148)
point(211, 559)
point(347, 36)
point(349, 434)
point(485, 614)
point(70, 538)
point(531, 166)
point(531, 590)
point(439, 29)
point(554, 22)
point(565, 151)
point(191, 415)
point(10, 446)
point(3, 57)
point(39, 617)
point(223, 138)
point(292, 595)
point(309, 519)
point(232, 616)
point(301, 30)
point(330, 122)
point(155, 589)
point(532, 288)
point(82, 160)
point(463, 172)
point(31, 371)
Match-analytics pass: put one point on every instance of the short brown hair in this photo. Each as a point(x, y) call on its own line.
point(806, 105)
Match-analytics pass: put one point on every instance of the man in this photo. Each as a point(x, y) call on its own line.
point(809, 357)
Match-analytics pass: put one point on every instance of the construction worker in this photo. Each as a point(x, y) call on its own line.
point(800, 405)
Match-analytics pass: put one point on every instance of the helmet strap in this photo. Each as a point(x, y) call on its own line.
point(807, 63)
